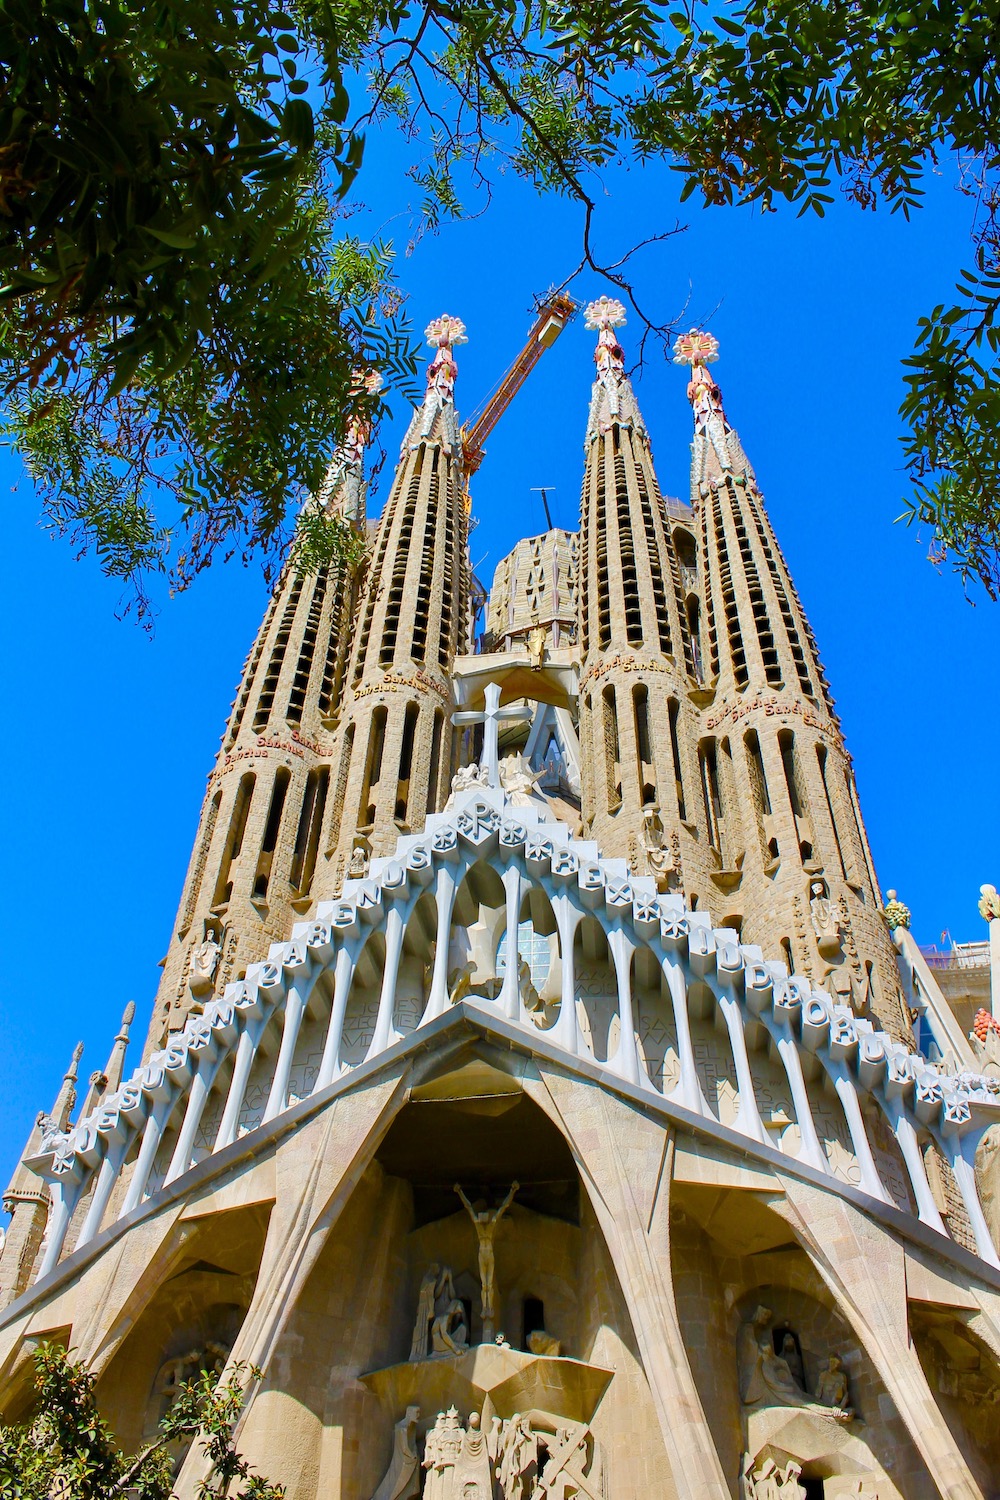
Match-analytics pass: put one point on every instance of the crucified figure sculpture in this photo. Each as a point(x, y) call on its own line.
point(485, 1224)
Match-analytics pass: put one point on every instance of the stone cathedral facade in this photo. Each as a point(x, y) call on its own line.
point(533, 1091)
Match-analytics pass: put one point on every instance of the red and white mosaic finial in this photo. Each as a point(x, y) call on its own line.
point(695, 348)
point(443, 334)
point(604, 313)
point(607, 314)
point(699, 349)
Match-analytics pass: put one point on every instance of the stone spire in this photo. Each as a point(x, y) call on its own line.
point(394, 748)
point(638, 666)
point(27, 1197)
point(777, 788)
point(258, 840)
point(106, 1082)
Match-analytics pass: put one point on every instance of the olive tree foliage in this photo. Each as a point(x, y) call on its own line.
point(67, 1452)
point(186, 315)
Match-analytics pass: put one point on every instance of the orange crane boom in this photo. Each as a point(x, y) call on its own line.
point(554, 311)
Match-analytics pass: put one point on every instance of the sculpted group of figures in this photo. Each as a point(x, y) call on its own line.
point(529, 1456)
point(768, 1378)
point(442, 1326)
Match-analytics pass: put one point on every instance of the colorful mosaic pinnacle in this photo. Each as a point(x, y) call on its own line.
point(444, 331)
point(605, 312)
point(695, 348)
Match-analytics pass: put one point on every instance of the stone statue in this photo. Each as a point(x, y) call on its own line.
point(831, 1387)
point(460, 981)
point(402, 1478)
point(790, 1354)
point(518, 780)
point(450, 1330)
point(357, 868)
point(540, 1342)
point(765, 1377)
point(204, 962)
point(529, 995)
point(824, 919)
point(464, 779)
point(485, 1224)
point(536, 646)
point(472, 1479)
point(769, 1482)
point(518, 1464)
point(430, 1289)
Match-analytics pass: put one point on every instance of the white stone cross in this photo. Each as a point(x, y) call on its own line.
point(491, 720)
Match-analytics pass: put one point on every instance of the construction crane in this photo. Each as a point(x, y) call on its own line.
point(554, 310)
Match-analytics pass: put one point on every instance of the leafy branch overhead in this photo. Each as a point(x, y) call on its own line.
point(182, 309)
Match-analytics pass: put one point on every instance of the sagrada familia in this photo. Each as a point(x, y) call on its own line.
point(539, 1091)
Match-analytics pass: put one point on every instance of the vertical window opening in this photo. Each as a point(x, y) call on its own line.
point(761, 795)
point(434, 778)
point(277, 806)
point(234, 838)
point(198, 874)
point(373, 766)
point(821, 756)
point(673, 714)
point(406, 762)
point(644, 749)
point(310, 824)
point(612, 753)
point(343, 776)
point(712, 795)
point(533, 1317)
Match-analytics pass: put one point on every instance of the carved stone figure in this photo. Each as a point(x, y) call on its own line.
point(540, 1342)
point(748, 1345)
point(357, 868)
point(529, 995)
point(450, 1330)
point(769, 1482)
point(472, 1478)
point(518, 780)
point(425, 1312)
point(575, 1464)
point(464, 779)
point(765, 1377)
point(485, 1223)
point(402, 1478)
point(790, 1354)
point(824, 919)
point(204, 962)
point(518, 1458)
point(831, 1387)
point(460, 981)
point(536, 645)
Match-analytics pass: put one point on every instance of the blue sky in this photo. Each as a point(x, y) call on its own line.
point(111, 734)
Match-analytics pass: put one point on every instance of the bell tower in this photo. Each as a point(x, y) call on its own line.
point(636, 716)
point(775, 779)
point(394, 752)
point(255, 855)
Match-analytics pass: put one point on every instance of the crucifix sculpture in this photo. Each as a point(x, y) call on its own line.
point(491, 719)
